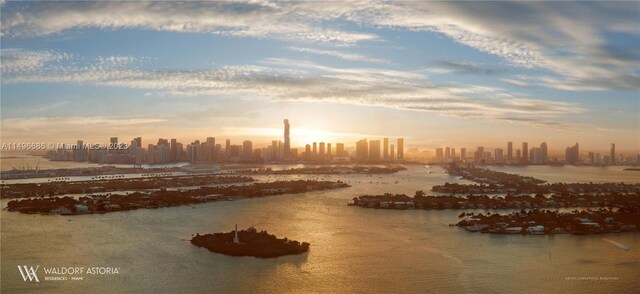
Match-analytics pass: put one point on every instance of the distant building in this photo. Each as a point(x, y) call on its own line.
point(400, 142)
point(499, 155)
point(247, 149)
point(374, 150)
point(572, 154)
point(340, 152)
point(362, 150)
point(392, 152)
point(613, 154)
point(287, 140)
point(385, 149)
point(439, 155)
point(525, 153)
point(509, 151)
point(544, 153)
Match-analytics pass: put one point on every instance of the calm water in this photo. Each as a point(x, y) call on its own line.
point(353, 249)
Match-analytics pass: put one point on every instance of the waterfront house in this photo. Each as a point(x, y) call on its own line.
point(536, 230)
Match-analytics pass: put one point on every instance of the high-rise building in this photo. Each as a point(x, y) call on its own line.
point(392, 152)
point(525, 153)
point(173, 156)
point(362, 150)
point(613, 154)
point(315, 151)
point(114, 142)
point(307, 152)
point(210, 148)
point(536, 156)
point(463, 154)
point(572, 154)
point(138, 141)
point(328, 150)
point(374, 150)
point(544, 153)
point(447, 153)
point(479, 155)
point(247, 149)
point(287, 140)
point(518, 155)
point(78, 152)
point(499, 155)
point(439, 155)
point(227, 149)
point(385, 149)
point(509, 151)
point(321, 153)
point(453, 154)
point(400, 148)
point(340, 152)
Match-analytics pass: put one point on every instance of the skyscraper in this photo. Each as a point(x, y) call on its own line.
point(385, 149)
point(287, 142)
point(307, 152)
point(499, 155)
point(525, 153)
point(247, 149)
point(572, 154)
point(315, 151)
point(613, 154)
point(439, 155)
point(509, 151)
point(362, 150)
point(321, 153)
point(374, 150)
point(340, 150)
point(392, 152)
point(173, 156)
point(463, 154)
point(544, 153)
point(400, 148)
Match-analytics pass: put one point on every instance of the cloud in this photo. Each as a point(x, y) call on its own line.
point(295, 80)
point(570, 40)
point(466, 68)
point(514, 82)
point(259, 19)
point(341, 55)
point(20, 60)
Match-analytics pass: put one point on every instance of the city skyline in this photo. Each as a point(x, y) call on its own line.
point(433, 73)
point(364, 150)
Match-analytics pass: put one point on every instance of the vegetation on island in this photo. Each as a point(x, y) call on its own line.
point(165, 198)
point(102, 186)
point(251, 243)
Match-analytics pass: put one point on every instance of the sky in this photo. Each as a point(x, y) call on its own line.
point(459, 74)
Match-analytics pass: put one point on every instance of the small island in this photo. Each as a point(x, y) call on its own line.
point(249, 242)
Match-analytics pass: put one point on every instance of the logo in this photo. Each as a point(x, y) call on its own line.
point(29, 273)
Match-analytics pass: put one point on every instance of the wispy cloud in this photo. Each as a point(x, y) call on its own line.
point(259, 19)
point(294, 80)
point(569, 39)
point(341, 55)
point(465, 67)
